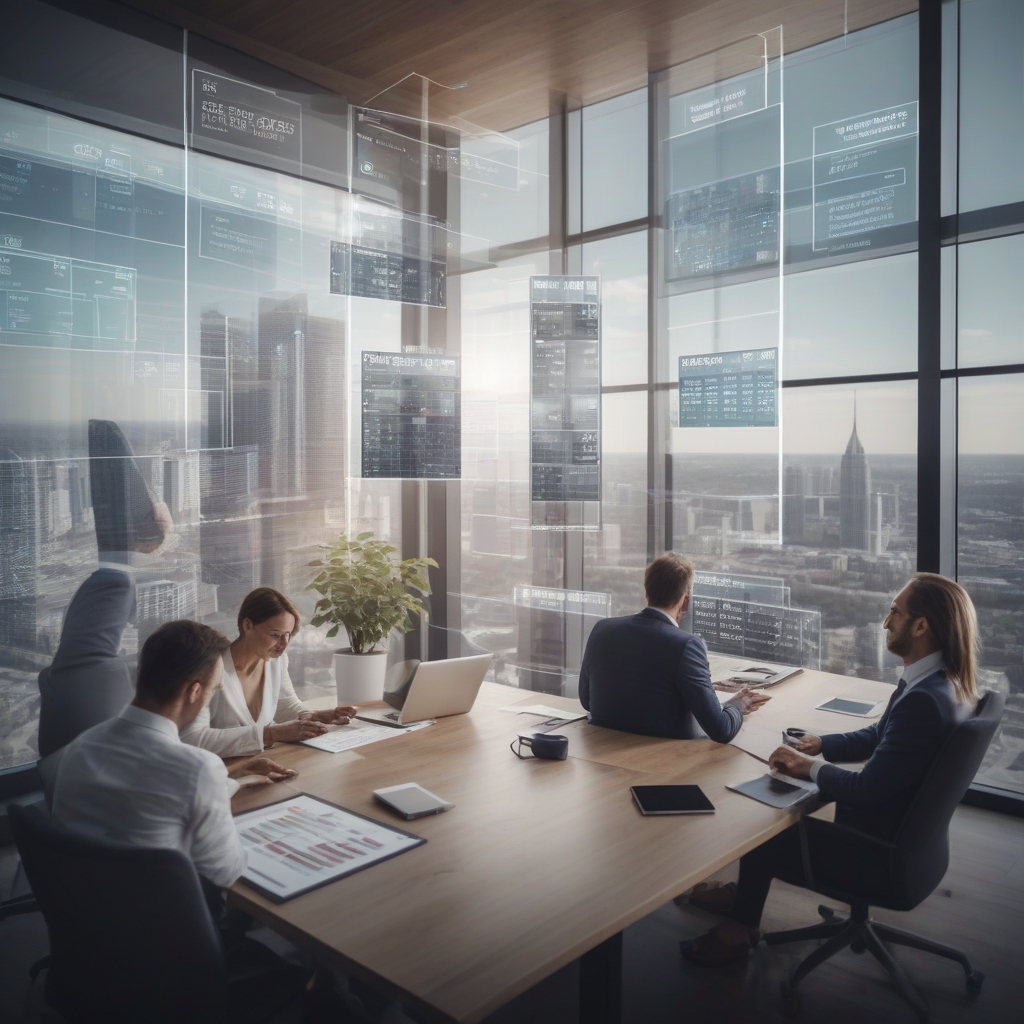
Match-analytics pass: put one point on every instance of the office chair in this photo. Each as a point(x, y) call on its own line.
point(132, 939)
point(917, 860)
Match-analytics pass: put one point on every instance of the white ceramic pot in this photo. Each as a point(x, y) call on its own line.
point(359, 677)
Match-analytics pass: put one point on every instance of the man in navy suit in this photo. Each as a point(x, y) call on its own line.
point(643, 673)
point(932, 626)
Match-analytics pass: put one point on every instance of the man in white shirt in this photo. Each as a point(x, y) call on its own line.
point(131, 781)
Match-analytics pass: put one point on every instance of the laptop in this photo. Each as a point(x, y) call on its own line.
point(437, 689)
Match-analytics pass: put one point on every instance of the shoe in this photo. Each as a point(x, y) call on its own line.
point(709, 950)
point(719, 899)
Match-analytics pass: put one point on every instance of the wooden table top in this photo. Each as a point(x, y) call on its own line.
point(537, 863)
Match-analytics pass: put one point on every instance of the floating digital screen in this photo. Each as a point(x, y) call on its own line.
point(725, 225)
point(753, 629)
point(865, 179)
point(730, 586)
point(51, 301)
point(237, 237)
point(374, 274)
point(228, 116)
point(565, 375)
point(411, 416)
point(723, 101)
point(729, 389)
point(390, 155)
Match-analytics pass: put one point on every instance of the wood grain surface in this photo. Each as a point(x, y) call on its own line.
point(538, 862)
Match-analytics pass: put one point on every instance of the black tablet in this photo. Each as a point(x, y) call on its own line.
point(671, 800)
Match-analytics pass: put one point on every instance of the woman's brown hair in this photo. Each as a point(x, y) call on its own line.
point(264, 603)
point(949, 612)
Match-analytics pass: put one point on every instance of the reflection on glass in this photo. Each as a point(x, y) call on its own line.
point(990, 306)
point(990, 556)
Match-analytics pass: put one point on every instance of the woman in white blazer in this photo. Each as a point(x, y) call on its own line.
point(256, 706)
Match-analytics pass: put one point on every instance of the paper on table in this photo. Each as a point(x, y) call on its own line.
point(357, 734)
point(301, 843)
point(545, 711)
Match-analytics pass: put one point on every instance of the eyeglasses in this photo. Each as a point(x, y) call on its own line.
point(275, 635)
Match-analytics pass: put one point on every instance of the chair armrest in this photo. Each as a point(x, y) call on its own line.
point(854, 834)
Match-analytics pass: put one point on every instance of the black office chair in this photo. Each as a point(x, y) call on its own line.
point(917, 860)
point(132, 939)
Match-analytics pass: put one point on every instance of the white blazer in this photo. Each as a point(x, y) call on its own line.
point(227, 728)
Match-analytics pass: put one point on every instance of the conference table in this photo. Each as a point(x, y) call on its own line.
point(539, 863)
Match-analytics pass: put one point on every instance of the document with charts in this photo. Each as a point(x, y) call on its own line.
point(302, 843)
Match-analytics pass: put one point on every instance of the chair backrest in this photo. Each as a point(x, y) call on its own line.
point(131, 937)
point(922, 842)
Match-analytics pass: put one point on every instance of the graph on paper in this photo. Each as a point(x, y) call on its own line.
point(300, 844)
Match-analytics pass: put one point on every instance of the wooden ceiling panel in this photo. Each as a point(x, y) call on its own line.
point(516, 58)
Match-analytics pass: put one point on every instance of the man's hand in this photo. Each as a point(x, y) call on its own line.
point(806, 744)
point(747, 700)
point(341, 715)
point(290, 732)
point(273, 771)
point(789, 762)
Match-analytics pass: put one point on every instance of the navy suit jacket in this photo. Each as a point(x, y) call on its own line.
point(898, 750)
point(642, 674)
point(87, 682)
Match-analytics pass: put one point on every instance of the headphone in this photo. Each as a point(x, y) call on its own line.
point(545, 745)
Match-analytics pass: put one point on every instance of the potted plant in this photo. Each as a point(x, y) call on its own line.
point(368, 592)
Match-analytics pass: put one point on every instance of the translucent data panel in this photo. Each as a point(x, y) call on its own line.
point(990, 556)
point(990, 306)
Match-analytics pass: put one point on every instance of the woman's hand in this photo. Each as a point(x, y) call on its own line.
point(291, 732)
point(341, 715)
point(271, 769)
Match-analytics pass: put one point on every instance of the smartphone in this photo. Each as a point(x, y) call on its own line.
point(791, 737)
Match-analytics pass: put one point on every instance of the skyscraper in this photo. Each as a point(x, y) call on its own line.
point(854, 494)
point(793, 505)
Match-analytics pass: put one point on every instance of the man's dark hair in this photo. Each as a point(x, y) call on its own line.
point(176, 652)
point(667, 579)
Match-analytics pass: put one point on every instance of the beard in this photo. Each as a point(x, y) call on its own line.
point(899, 643)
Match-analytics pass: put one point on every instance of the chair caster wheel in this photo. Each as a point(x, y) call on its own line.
point(858, 946)
point(790, 1001)
point(826, 912)
point(974, 980)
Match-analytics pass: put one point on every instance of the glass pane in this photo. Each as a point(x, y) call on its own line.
point(849, 521)
point(493, 215)
point(990, 513)
point(92, 327)
point(851, 319)
point(615, 557)
point(990, 309)
point(851, 144)
point(991, 103)
point(621, 263)
point(615, 160)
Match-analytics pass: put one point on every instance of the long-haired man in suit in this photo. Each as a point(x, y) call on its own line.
point(643, 673)
point(933, 627)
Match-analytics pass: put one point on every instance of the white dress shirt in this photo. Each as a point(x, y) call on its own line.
point(227, 727)
point(661, 611)
point(912, 673)
point(131, 781)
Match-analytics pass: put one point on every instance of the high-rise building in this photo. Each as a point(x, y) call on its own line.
point(794, 505)
point(855, 495)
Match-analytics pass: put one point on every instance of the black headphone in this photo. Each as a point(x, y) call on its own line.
point(546, 745)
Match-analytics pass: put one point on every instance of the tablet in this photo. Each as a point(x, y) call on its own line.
point(412, 801)
point(671, 800)
point(848, 706)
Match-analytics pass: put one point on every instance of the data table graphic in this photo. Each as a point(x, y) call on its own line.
point(565, 436)
point(411, 416)
point(729, 389)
